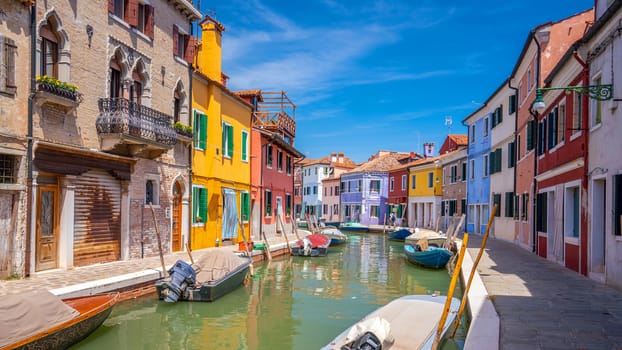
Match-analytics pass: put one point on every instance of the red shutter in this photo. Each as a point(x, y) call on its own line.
point(131, 12)
point(189, 52)
point(149, 21)
point(175, 43)
point(110, 6)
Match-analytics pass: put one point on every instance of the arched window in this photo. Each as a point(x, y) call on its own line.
point(49, 52)
point(116, 80)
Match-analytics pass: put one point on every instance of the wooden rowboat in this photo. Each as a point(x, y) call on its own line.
point(41, 320)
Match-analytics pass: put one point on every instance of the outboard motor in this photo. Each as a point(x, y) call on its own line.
point(306, 246)
point(182, 275)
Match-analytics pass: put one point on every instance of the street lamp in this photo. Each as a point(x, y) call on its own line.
point(597, 92)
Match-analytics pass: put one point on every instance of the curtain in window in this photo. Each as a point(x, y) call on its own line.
point(229, 215)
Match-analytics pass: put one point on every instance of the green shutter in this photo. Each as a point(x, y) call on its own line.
point(245, 198)
point(195, 206)
point(511, 155)
point(203, 132)
point(497, 201)
point(203, 203)
point(245, 145)
point(491, 163)
point(230, 141)
point(499, 158)
point(196, 129)
point(530, 131)
point(500, 115)
point(223, 139)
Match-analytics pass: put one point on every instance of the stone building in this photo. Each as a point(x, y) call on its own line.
point(112, 77)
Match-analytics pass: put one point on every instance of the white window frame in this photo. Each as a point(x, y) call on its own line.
point(568, 209)
point(472, 169)
point(391, 184)
point(486, 167)
point(156, 190)
point(404, 182)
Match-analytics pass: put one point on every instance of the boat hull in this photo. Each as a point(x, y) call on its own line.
point(212, 290)
point(336, 237)
point(94, 310)
point(401, 314)
point(354, 227)
point(399, 235)
point(317, 245)
point(432, 257)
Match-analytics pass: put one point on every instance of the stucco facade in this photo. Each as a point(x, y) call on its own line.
point(478, 168)
point(425, 193)
point(454, 167)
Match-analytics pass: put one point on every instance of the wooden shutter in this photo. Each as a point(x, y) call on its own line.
point(499, 156)
point(500, 115)
point(230, 141)
point(245, 145)
point(509, 204)
point(195, 202)
point(511, 155)
point(491, 163)
point(149, 21)
point(110, 6)
point(203, 203)
point(175, 41)
point(203, 136)
point(10, 50)
point(512, 104)
point(530, 130)
point(189, 49)
point(131, 12)
point(196, 128)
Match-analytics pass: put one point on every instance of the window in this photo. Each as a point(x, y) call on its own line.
point(453, 174)
point(496, 200)
point(485, 127)
point(561, 123)
point(552, 128)
point(404, 182)
point(8, 51)
point(617, 205)
point(509, 204)
point(245, 209)
point(430, 179)
point(200, 130)
point(227, 140)
point(116, 84)
point(335, 209)
point(336, 190)
point(530, 144)
point(495, 161)
point(472, 136)
point(577, 111)
point(571, 212)
point(374, 211)
point(288, 165)
point(199, 205)
point(512, 104)
point(183, 45)
point(519, 95)
point(391, 184)
point(176, 107)
point(471, 216)
point(464, 171)
point(472, 169)
point(279, 160)
point(516, 206)
point(49, 52)
point(269, 155)
point(118, 7)
point(8, 169)
point(315, 189)
point(152, 191)
point(541, 145)
point(524, 206)
point(529, 81)
point(374, 186)
point(245, 146)
point(359, 185)
point(325, 209)
point(288, 204)
point(511, 155)
point(486, 166)
point(136, 91)
point(413, 182)
point(596, 106)
point(268, 203)
point(137, 14)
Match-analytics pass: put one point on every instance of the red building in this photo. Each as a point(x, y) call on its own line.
point(397, 198)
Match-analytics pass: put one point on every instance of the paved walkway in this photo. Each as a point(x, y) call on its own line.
point(543, 305)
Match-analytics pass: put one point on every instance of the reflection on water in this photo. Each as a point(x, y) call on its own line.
point(290, 303)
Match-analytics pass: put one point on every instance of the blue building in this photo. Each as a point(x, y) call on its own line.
point(478, 177)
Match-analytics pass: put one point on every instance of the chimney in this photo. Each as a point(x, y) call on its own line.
point(428, 149)
point(340, 157)
point(333, 157)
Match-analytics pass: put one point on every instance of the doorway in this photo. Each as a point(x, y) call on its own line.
point(597, 253)
point(176, 224)
point(46, 256)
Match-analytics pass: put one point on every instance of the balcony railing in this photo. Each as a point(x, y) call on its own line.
point(126, 124)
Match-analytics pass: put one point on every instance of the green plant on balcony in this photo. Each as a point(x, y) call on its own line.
point(182, 129)
point(57, 87)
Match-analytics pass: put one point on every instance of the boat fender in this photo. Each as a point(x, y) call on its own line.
point(368, 341)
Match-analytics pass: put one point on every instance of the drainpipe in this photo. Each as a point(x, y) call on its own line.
point(515, 139)
point(586, 72)
point(466, 186)
point(190, 120)
point(534, 234)
point(29, 155)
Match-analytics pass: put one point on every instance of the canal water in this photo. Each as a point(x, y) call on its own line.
point(290, 303)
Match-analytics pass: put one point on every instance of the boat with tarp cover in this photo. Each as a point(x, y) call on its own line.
point(39, 319)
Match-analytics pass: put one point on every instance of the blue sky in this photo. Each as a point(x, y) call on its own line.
point(377, 75)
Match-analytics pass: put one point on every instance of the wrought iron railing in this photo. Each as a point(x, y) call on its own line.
point(59, 91)
point(122, 116)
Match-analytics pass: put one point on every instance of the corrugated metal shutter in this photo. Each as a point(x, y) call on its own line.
point(97, 218)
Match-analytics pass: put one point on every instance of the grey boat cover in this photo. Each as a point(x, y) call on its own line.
point(217, 264)
point(26, 314)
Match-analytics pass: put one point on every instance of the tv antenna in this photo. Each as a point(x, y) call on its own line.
point(448, 123)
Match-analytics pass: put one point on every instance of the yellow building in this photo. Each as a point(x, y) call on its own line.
point(425, 192)
point(221, 148)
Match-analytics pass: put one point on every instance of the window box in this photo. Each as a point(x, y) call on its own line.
point(58, 88)
point(183, 130)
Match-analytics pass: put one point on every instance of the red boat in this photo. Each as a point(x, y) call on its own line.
point(312, 245)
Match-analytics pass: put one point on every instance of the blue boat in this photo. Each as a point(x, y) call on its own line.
point(432, 257)
point(399, 235)
point(354, 226)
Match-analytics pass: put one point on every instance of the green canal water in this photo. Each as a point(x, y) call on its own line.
point(289, 303)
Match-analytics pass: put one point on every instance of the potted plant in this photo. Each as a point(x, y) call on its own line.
point(57, 87)
point(182, 129)
point(198, 219)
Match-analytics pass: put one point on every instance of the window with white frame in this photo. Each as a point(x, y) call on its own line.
point(404, 182)
point(572, 211)
point(227, 140)
point(199, 205)
point(279, 160)
point(577, 109)
point(596, 109)
point(472, 130)
point(374, 211)
point(485, 127)
point(200, 130)
point(391, 184)
point(485, 163)
point(561, 122)
point(472, 169)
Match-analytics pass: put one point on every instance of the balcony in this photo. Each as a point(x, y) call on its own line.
point(276, 113)
point(129, 129)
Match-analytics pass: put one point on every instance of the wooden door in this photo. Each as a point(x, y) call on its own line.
point(176, 225)
point(47, 228)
